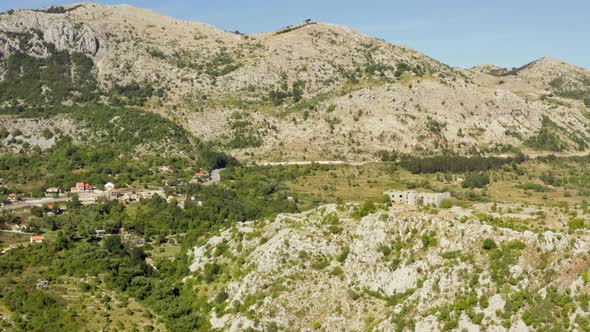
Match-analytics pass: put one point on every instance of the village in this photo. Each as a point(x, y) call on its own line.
point(56, 199)
point(87, 193)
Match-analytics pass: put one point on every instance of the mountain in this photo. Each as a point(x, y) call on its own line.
point(310, 90)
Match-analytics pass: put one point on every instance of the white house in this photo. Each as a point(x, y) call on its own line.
point(416, 198)
point(109, 186)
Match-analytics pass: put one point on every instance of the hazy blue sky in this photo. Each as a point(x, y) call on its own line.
point(458, 32)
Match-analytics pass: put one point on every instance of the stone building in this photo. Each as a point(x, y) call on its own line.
point(417, 198)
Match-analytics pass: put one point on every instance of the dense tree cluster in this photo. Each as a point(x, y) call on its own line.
point(455, 164)
point(67, 76)
point(134, 93)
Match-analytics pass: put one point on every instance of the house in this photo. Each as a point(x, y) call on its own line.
point(115, 193)
point(417, 198)
point(53, 191)
point(54, 209)
point(12, 197)
point(82, 187)
point(201, 176)
point(109, 186)
point(37, 239)
point(130, 197)
point(100, 233)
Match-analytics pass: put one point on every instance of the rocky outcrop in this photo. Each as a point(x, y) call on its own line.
point(35, 32)
point(396, 267)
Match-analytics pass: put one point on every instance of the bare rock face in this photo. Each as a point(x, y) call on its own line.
point(34, 32)
point(65, 35)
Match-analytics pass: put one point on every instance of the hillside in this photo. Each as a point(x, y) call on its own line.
point(308, 91)
point(397, 269)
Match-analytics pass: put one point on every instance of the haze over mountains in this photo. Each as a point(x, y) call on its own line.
point(311, 90)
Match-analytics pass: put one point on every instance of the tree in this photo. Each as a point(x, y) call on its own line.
point(216, 160)
point(74, 202)
point(113, 244)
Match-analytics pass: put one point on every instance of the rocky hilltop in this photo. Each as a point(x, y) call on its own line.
point(397, 269)
point(310, 90)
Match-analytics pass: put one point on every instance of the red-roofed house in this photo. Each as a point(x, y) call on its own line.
point(80, 186)
point(12, 197)
point(116, 193)
point(201, 176)
point(37, 239)
point(89, 187)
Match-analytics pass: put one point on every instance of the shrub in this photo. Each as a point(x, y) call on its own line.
point(476, 180)
point(343, 254)
point(429, 240)
point(577, 223)
point(337, 272)
point(402, 67)
point(446, 204)
point(531, 186)
point(47, 133)
point(489, 244)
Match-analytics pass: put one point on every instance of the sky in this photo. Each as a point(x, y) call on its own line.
point(461, 33)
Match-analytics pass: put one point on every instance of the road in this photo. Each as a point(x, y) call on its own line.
point(307, 162)
point(34, 202)
point(216, 173)
point(84, 198)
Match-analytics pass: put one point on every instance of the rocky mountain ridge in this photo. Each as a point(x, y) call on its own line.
point(308, 90)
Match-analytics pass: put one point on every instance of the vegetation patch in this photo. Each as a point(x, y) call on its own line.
point(547, 138)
